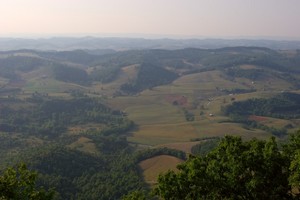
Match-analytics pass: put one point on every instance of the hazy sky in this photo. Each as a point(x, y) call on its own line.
point(212, 18)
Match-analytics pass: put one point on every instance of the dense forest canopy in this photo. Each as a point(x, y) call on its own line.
point(236, 169)
point(284, 105)
point(20, 183)
point(149, 76)
point(48, 117)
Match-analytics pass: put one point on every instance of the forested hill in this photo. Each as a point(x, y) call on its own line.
point(160, 66)
point(285, 105)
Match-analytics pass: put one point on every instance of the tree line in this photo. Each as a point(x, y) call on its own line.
point(51, 117)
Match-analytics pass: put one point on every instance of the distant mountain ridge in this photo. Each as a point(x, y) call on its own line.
point(116, 43)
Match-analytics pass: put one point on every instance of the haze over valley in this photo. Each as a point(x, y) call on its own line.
point(208, 90)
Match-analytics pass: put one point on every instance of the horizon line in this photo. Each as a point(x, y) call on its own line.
point(144, 36)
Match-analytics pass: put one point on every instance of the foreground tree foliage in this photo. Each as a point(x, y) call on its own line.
point(135, 195)
point(20, 183)
point(237, 170)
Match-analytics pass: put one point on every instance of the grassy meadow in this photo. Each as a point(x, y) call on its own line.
point(160, 122)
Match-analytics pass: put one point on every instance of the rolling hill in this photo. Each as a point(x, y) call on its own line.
point(97, 109)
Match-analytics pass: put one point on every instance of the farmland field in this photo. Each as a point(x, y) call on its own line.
point(154, 166)
point(159, 121)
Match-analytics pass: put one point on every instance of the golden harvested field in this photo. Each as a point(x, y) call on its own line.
point(152, 167)
point(163, 133)
point(84, 144)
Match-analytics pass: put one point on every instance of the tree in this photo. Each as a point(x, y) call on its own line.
point(135, 195)
point(292, 152)
point(235, 170)
point(19, 183)
point(294, 178)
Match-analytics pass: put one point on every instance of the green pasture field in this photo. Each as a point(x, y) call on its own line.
point(279, 123)
point(154, 114)
point(50, 86)
point(159, 122)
